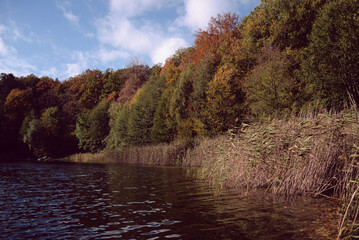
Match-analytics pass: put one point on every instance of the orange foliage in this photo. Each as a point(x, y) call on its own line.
point(18, 102)
point(76, 85)
point(224, 28)
point(136, 77)
point(112, 97)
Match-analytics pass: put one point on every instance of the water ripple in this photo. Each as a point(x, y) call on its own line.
point(62, 201)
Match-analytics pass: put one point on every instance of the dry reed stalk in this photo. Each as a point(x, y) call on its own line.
point(304, 155)
point(162, 155)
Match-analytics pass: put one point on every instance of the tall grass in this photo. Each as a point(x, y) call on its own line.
point(315, 154)
point(162, 155)
point(306, 155)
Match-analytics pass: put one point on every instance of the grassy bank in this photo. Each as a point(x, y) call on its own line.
point(314, 154)
point(165, 154)
point(301, 155)
point(311, 154)
point(305, 155)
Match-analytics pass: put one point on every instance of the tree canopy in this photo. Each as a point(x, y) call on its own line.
point(284, 55)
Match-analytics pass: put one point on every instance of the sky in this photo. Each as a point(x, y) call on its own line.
point(60, 39)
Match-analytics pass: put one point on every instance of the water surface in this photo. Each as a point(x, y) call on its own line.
point(85, 201)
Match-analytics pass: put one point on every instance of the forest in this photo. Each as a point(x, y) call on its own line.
point(285, 56)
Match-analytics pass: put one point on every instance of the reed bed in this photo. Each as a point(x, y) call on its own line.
point(307, 155)
point(312, 154)
point(161, 155)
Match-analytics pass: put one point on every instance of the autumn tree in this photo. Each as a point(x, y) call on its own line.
point(330, 64)
point(272, 88)
point(136, 75)
point(18, 103)
point(215, 37)
point(93, 88)
point(225, 99)
point(29, 81)
point(279, 23)
point(143, 108)
point(113, 83)
point(164, 121)
point(46, 93)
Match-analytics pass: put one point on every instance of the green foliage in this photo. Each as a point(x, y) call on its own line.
point(118, 124)
point(51, 119)
point(142, 110)
point(280, 23)
point(92, 127)
point(203, 74)
point(44, 136)
point(164, 128)
point(180, 98)
point(330, 63)
point(34, 135)
point(271, 87)
point(113, 82)
point(30, 81)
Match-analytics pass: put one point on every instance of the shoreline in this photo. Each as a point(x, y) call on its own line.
point(315, 155)
point(273, 155)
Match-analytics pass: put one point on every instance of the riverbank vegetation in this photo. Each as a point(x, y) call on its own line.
point(314, 153)
point(270, 100)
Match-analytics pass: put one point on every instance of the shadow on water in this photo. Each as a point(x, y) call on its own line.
point(48, 200)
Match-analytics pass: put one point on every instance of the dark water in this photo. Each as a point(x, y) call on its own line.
point(74, 201)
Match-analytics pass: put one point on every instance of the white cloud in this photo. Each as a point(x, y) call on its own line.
point(3, 48)
point(111, 55)
point(13, 32)
point(10, 62)
point(78, 66)
point(122, 33)
point(2, 28)
point(73, 69)
point(166, 49)
point(72, 18)
point(52, 72)
point(125, 29)
point(127, 32)
point(199, 12)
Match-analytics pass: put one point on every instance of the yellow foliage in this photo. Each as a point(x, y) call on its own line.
point(224, 97)
point(190, 127)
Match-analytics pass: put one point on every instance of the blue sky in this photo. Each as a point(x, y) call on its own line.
point(61, 39)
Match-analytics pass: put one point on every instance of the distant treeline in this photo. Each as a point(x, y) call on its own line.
point(286, 55)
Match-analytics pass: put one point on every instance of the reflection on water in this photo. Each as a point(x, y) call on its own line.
point(51, 200)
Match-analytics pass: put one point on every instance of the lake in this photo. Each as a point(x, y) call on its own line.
point(89, 201)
